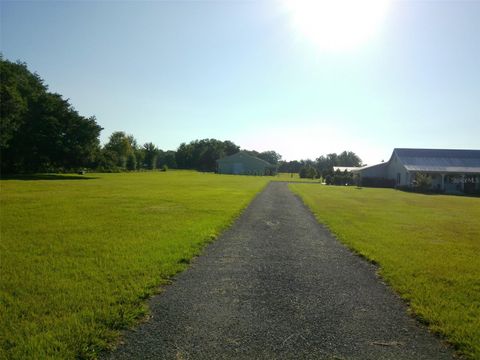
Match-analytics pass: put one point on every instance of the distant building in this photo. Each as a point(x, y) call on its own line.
point(242, 163)
point(449, 170)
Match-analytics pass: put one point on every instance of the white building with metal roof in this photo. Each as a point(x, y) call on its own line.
point(450, 170)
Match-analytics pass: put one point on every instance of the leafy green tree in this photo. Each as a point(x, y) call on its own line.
point(342, 178)
point(150, 152)
point(325, 163)
point(308, 172)
point(170, 160)
point(230, 148)
point(166, 158)
point(423, 182)
point(106, 161)
point(41, 131)
point(348, 158)
point(203, 154)
point(121, 145)
point(183, 156)
point(329, 179)
point(210, 151)
point(290, 166)
point(140, 157)
point(131, 161)
point(19, 88)
point(270, 156)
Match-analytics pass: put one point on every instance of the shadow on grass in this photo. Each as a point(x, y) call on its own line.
point(30, 177)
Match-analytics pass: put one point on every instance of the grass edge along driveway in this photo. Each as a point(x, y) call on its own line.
point(79, 256)
point(427, 247)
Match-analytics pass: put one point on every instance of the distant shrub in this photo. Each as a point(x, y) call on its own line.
point(423, 182)
point(164, 168)
point(342, 178)
point(308, 172)
point(329, 180)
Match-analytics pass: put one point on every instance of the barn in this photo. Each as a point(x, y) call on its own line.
point(449, 170)
point(242, 163)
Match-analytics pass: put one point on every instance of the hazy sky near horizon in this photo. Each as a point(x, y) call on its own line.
point(304, 80)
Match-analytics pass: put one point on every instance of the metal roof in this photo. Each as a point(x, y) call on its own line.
point(243, 154)
point(346, 168)
point(384, 164)
point(439, 160)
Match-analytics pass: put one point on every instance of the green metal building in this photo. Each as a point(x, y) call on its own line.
point(242, 163)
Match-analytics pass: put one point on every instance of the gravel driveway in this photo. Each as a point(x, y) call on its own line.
point(277, 285)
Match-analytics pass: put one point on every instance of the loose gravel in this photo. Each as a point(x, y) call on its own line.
point(277, 285)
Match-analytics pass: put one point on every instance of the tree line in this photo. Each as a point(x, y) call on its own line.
point(322, 167)
point(123, 153)
point(40, 131)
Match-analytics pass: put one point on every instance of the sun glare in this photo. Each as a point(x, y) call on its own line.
point(337, 25)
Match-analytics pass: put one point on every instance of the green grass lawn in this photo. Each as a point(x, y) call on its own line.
point(79, 255)
point(427, 246)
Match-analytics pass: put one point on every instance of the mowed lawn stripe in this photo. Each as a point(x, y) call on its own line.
point(78, 257)
point(427, 246)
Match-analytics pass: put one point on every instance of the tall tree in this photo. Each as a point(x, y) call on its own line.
point(19, 89)
point(151, 153)
point(230, 148)
point(270, 156)
point(348, 158)
point(325, 164)
point(121, 146)
point(131, 161)
point(166, 158)
point(41, 131)
point(290, 166)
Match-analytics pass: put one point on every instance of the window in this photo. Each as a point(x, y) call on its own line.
point(399, 178)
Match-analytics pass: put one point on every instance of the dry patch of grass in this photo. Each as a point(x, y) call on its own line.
point(428, 248)
point(79, 257)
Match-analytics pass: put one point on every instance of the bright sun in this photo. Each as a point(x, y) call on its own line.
point(337, 25)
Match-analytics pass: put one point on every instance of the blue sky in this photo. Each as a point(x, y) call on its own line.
point(174, 71)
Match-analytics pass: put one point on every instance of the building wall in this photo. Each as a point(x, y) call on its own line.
point(374, 171)
point(241, 168)
point(239, 164)
point(393, 169)
point(396, 170)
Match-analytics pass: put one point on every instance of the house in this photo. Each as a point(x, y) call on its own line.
point(242, 163)
point(449, 170)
